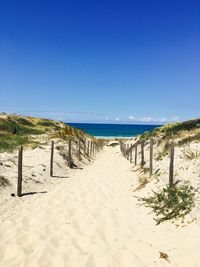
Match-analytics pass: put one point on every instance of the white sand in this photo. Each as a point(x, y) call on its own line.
point(92, 219)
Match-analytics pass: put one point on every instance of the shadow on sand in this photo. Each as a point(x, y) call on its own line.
point(33, 193)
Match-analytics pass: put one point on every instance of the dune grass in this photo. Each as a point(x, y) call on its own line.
point(169, 131)
point(20, 130)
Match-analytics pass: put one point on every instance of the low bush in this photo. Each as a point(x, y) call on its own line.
point(113, 144)
point(171, 202)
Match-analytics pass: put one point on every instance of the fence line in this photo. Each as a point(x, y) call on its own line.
point(92, 149)
point(127, 151)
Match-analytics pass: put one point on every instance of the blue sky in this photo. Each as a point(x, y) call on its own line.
point(101, 61)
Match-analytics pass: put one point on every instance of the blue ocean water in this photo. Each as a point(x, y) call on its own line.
point(113, 130)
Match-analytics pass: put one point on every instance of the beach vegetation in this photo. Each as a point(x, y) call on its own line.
point(114, 144)
point(3, 181)
point(188, 139)
point(171, 203)
point(190, 154)
point(175, 130)
point(18, 130)
point(145, 170)
point(142, 181)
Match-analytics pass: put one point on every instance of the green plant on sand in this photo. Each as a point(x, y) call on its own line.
point(3, 181)
point(171, 202)
point(113, 144)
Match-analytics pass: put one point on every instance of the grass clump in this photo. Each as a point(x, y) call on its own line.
point(189, 154)
point(9, 142)
point(142, 181)
point(171, 202)
point(113, 144)
point(3, 181)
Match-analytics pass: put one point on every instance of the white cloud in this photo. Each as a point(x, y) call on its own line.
point(131, 118)
point(117, 119)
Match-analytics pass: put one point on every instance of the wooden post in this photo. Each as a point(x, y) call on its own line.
point(151, 157)
point(51, 160)
point(19, 181)
point(131, 153)
point(171, 164)
point(142, 154)
point(127, 152)
point(79, 149)
point(135, 154)
point(91, 148)
point(70, 154)
point(88, 148)
point(123, 149)
point(84, 147)
point(94, 149)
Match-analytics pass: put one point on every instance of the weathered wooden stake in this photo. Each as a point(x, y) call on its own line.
point(135, 154)
point(79, 149)
point(131, 154)
point(171, 164)
point(84, 148)
point(91, 148)
point(127, 152)
point(88, 148)
point(142, 154)
point(70, 154)
point(51, 160)
point(151, 157)
point(94, 149)
point(19, 181)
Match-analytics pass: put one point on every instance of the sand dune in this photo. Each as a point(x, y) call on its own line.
point(92, 219)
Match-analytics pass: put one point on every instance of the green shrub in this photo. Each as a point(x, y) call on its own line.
point(171, 202)
point(113, 144)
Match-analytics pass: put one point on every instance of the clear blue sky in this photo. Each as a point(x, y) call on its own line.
point(101, 61)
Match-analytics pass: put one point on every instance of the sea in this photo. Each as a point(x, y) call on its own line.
point(113, 130)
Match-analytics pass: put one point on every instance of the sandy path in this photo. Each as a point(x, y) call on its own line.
point(92, 219)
